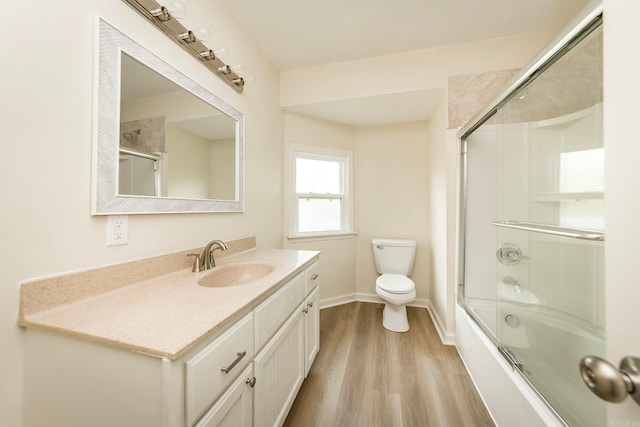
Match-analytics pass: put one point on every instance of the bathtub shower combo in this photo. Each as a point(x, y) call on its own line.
point(531, 252)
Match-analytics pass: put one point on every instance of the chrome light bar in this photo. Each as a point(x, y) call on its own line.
point(161, 17)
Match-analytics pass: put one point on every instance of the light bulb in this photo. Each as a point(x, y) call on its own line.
point(203, 34)
point(174, 10)
point(246, 72)
point(177, 10)
point(221, 52)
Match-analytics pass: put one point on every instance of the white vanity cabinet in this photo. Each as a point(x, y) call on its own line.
point(247, 374)
point(286, 327)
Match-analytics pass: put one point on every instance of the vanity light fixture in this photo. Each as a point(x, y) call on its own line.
point(191, 41)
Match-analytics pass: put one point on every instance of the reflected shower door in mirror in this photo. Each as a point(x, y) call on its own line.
point(172, 144)
point(164, 143)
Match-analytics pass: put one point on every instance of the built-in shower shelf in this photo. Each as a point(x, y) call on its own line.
point(561, 197)
point(574, 233)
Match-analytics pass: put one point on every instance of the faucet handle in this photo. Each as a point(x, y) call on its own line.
point(196, 263)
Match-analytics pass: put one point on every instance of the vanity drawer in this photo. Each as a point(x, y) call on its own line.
point(312, 277)
point(272, 313)
point(205, 374)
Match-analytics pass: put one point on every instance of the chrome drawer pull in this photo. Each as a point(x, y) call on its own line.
point(240, 355)
point(251, 382)
point(315, 276)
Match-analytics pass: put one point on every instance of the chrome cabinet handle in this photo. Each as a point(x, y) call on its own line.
point(610, 383)
point(251, 382)
point(240, 355)
point(310, 304)
point(305, 310)
point(315, 276)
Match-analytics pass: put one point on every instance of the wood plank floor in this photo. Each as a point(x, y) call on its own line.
point(367, 376)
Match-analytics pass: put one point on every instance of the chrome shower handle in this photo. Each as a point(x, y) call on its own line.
point(610, 383)
point(509, 254)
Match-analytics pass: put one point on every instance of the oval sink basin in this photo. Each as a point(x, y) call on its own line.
point(234, 274)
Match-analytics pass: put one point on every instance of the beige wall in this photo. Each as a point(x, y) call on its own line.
point(45, 155)
point(189, 165)
point(337, 262)
point(406, 72)
point(442, 160)
point(223, 168)
point(392, 197)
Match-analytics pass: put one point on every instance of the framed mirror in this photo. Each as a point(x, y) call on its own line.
point(163, 143)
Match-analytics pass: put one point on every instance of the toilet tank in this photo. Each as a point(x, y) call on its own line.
point(394, 256)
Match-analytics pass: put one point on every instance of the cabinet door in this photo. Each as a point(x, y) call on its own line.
point(234, 408)
point(312, 330)
point(279, 371)
point(205, 379)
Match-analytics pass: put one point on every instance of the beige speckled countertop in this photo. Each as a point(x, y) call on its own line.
point(167, 315)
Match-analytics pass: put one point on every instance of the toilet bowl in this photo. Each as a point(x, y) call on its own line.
point(394, 261)
point(396, 291)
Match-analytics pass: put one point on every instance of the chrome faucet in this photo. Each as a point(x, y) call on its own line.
point(206, 259)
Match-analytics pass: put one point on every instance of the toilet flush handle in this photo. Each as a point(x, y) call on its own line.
point(380, 247)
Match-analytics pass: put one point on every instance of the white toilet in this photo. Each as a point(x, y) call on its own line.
point(394, 261)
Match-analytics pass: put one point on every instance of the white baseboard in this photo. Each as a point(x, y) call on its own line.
point(446, 338)
point(332, 302)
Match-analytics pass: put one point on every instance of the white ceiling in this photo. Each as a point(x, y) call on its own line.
point(302, 33)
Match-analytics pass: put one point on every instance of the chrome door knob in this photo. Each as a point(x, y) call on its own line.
point(610, 383)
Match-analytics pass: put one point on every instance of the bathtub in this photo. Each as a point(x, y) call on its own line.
point(509, 395)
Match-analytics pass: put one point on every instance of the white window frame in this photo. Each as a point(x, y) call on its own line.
point(313, 152)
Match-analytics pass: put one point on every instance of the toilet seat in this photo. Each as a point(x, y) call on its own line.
point(395, 284)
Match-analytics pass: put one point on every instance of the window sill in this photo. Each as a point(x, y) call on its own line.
point(323, 236)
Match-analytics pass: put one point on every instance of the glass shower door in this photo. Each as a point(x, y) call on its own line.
point(549, 229)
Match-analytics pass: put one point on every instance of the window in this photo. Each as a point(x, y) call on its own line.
point(320, 191)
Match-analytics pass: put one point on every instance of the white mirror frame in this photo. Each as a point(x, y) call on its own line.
point(111, 43)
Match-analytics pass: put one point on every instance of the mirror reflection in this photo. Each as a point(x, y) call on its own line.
point(171, 143)
point(163, 142)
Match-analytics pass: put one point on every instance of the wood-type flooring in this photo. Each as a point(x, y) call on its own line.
point(367, 376)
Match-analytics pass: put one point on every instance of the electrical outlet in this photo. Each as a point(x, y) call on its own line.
point(117, 230)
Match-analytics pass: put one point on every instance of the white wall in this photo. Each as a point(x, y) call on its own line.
point(392, 197)
point(45, 155)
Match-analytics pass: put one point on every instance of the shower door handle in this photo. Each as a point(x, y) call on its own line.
point(610, 383)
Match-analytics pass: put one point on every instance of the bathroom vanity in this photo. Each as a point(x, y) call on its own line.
point(168, 351)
